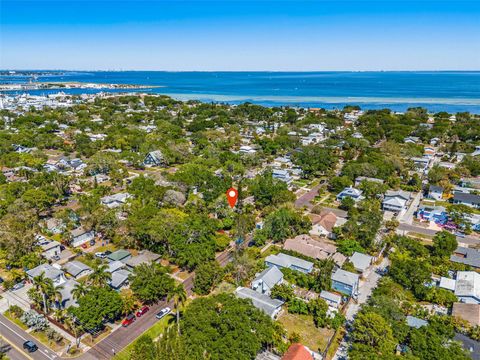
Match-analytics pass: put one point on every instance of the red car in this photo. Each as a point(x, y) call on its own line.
point(84, 246)
point(142, 311)
point(128, 320)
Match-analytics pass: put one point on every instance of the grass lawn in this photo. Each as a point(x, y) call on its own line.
point(154, 332)
point(311, 336)
point(42, 337)
point(15, 320)
point(224, 287)
point(335, 343)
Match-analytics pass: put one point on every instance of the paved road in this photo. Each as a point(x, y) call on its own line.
point(11, 351)
point(112, 344)
point(468, 240)
point(16, 336)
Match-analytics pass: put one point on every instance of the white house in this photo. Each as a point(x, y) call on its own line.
point(263, 302)
point(467, 287)
point(395, 200)
point(50, 249)
point(361, 262)
point(351, 192)
point(435, 192)
point(267, 279)
point(282, 175)
point(80, 236)
point(49, 271)
point(116, 200)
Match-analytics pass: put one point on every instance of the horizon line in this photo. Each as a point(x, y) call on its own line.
point(245, 71)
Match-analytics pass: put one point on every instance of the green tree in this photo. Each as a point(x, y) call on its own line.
point(444, 244)
point(151, 282)
point(269, 191)
point(286, 222)
point(207, 276)
point(179, 296)
point(283, 292)
point(372, 330)
point(205, 334)
point(99, 275)
point(143, 349)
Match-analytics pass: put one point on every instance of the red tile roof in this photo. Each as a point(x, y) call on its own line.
point(297, 352)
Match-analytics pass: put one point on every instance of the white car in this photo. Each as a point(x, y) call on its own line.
point(163, 312)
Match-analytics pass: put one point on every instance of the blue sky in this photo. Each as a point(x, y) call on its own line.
point(240, 35)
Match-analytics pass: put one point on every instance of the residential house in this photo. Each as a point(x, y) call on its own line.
point(305, 245)
point(119, 279)
point(297, 351)
point(283, 175)
point(467, 199)
point(143, 257)
point(420, 163)
point(467, 312)
point(435, 192)
point(50, 249)
point(466, 256)
point(77, 269)
point(154, 158)
point(361, 262)
point(55, 226)
point(351, 192)
point(415, 322)
point(49, 271)
point(80, 236)
point(437, 214)
point(395, 200)
point(289, 262)
point(476, 152)
point(263, 302)
point(267, 279)
point(339, 259)
point(66, 290)
point(447, 283)
point(333, 300)
point(323, 224)
point(246, 149)
point(467, 287)
point(411, 140)
point(472, 347)
point(119, 255)
point(116, 200)
point(345, 282)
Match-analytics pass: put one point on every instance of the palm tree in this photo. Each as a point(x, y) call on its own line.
point(44, 286)
point(58, 296)
point(100, 276)
point(72, 325)
point(79, 290)
point(179, 296)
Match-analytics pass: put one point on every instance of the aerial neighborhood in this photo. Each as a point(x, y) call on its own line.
point(355, 234)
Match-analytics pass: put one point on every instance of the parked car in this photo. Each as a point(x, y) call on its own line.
point(100, 255)
point(30, 346)
point(55, 257)
point(92, 242)
point(142, 311)
point(19, 285)
point(84, 246)
point(163, 312)
point(108, 252)
point(128, 320)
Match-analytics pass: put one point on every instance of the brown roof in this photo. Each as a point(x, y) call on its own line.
point(297, 352)
point(307, 246)
point(328, 221)
point(468, 312)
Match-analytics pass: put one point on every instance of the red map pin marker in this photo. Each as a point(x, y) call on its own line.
point(232, 196)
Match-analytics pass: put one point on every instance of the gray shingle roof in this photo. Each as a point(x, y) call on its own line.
point(260, 301)
point(50, 271)
point(284, 260)
point(466, 256)
point(270, 276)
point(466, 198)
point(415, 322)
point(345, 277)
point(74, 268)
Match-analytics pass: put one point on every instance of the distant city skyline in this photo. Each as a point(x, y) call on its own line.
point(240, 35)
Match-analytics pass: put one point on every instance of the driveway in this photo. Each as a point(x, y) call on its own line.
point(15, 297)
point(365, 290)
point(407, 217)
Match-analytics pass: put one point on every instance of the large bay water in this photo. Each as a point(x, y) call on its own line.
point(451, 91)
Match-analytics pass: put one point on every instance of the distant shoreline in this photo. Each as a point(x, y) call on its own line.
point(67, 85)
